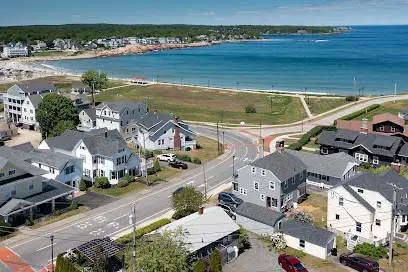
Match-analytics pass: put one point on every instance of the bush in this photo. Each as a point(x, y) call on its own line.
point(302, 216)
point(250, 108)
point(128, 178)
point(82, 185)
point(356, 114)
point(64, 265)
point(199, 266)
point(156, 166)
point(243, 239)
point(122, 183)
point(215, 261)
point(126, 239)
point(101, 182)
point(182, 213)
point(196, 160)
point(150, 171)
point(305, 139)
point(370, 250)
point(352, 98)
point(183, 157)
point(278, 241)
point(380, 169)
point(73, 206)
point(365, 165)
point(5, 228)
point(29, 222)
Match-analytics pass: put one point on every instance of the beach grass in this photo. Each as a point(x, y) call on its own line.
point(51, 53)
point(389, 107)
point(211, 105)
point(320, 105)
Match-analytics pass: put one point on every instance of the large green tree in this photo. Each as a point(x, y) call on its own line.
point(187, 201)
point(95, 81)
point(166, 253)
point(55, 115)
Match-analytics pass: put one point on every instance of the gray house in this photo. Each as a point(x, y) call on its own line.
point(327, 170)
point(276, 181)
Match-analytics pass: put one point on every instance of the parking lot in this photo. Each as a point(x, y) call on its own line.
point(25, 135)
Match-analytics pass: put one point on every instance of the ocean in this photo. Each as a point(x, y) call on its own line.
point(375, 56)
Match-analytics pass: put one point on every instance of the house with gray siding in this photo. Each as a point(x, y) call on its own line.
point(276, 181)
point(326, 171)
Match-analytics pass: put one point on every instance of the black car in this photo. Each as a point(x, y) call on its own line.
point(178, 164)
point(176, 192)
point(226, 197)
point(19, 125)
point(229, 209)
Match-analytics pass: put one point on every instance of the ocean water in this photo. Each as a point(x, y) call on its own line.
point(376, 56)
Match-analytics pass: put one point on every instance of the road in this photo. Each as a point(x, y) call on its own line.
point(112, 219)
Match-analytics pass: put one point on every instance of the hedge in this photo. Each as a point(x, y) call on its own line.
point(356, 114)
point(64, 265)
point(128, 238)
point(306, 137)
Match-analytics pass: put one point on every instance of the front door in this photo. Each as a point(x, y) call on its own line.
point(268, 202)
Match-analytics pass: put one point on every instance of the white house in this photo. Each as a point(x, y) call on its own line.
point(158, 131)
point(87, 119)
point(360, 207)
point(13, 51)
point(29, 109)
point(104, 153)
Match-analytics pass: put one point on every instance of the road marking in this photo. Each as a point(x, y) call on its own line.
point(120, 217)
point(245, 159)
point(113, 225)
point(191, 182)
point(84, 225)
point(97, 232)
point(209, 178)
point(45, 247)
point(231, 165)
point(202, 185)
point(170, 196)
point(49, 261)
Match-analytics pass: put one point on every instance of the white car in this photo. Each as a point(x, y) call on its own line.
point(166, 157)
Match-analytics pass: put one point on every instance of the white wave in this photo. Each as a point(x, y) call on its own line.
point(321, 40)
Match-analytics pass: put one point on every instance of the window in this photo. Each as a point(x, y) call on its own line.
point(163, 140)
point(301, 175)
point(101, 160)
point(378, 204)
point(253, 170)
point(341, 201)
point(87, 172)
point(377, 222)
point(30, 185)
point(25, 110)
point(104, 113)
point(12, 172)
point(262, 197)
point(382, 128)
point(293, 180)
point(101, 173)
point(392, 129)
point(28, 102)
point(337, 217)
point(256, 185)
point(302, 243)
point(31, 118)
point(118, 161)
point(360, 191)
point(272, 185)
point(361, 157)
point(286, 184)
point(263, 172)
point(288, 197)
point(375, 160)
point(358, 226)
point(235, 186)
point(13, 190)
point(31, 111)
point(274, 202)
point(243, 191)
point(324, 150)
point(69, 170)
point(127, 112)
point(83, 157)
point(82, 147)
point(123, 159)
point(113, 175)
point(159, 142)
point(52, 170)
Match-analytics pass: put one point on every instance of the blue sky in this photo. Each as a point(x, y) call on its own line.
point(274, 12)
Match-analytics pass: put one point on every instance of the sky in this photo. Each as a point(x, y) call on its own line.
point(211, 12)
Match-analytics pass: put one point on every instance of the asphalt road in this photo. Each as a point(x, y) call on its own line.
point(112, 218)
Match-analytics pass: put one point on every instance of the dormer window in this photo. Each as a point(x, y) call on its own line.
point(392, 129)
point(253, 170)
point(382, 128)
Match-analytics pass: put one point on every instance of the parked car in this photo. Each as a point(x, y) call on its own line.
point(359, 262)
point(290, 263)
point(19, 124)
point(166, 157)
point(178, 164)
point(226, 197)
point(229, 209)
point(176, 192)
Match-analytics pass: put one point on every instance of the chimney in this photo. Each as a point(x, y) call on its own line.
point(280, 145)
point(201, 210)
point(364, 128)
point(177, 140)
point(396, 167)
point(106, 134)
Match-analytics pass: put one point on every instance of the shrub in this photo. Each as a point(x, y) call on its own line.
point(128, 178)
point(278, 241)
point(122, 183)
point(370, 250)
point(380, 169)
point(199, 266)
point(356, 114)
point(29, 222)
point(5, 228)
point(150, 171)
point(215, 261)
point(74, 205)
point(352, 98)
point(243, 239)
point(182, 213)
point(156, 166)
point(196, 160)
point(183, 157)
point(365, 165)
point(302, 216)
point(126, 239)
point(305, 139)
point(82, 185)
point(101, 182)
point(64, 265)
point(250, 108)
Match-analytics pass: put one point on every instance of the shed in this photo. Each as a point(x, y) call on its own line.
point(313, 240)
point(257, 219)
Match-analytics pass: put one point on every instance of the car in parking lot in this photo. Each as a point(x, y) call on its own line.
point(359, 262)
point(166, 157)
point(178, 164)
point(290, 263)
point(176, 192)
point(229, 209)
point(226, 197)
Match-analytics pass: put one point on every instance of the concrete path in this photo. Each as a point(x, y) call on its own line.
point(309, 113)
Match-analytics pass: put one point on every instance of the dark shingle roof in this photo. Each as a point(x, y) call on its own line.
point(121, 104)
point(307, 232)
point(367, 140)
point(66, 141)
point(37, 87)
point(18, 158)
point(283, 165)
point(51, 158)
point(91, 112)
point(260, 214)
point(26, 147)
point(154, 120)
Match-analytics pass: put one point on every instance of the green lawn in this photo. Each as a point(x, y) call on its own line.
point(165, 174)
point(321, 105)
point(388, 107)
point(133, 187)
point(208, 149)
point(51, 54)
point(209, 105)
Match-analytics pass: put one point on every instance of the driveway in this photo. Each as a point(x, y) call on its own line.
point(94, 200)
point(25, 135)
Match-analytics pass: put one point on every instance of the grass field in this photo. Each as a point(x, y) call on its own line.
point(208, 105)
point(51, 54)
point(131, 188)
point(321, 105)
point(389, 107)
point(207, 152)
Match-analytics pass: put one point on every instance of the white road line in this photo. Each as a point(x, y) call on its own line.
point(209, 178)
point(120, 217)
point(49, 261)
point(202, 185)
point(191, 182)
point(170, 196)
point(45, 247)
point(231, 165)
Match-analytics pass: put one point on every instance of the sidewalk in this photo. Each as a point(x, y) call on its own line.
point(13, 261)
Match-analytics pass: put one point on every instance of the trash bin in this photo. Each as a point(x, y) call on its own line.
point(334, 251)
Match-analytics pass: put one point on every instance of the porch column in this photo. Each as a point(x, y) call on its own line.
point(31, 213)
point(53, 205)
point(72, 195)
point(6, 218)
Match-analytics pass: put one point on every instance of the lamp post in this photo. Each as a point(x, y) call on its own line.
point(237, 85)
point(52, 252)
point(233, 166)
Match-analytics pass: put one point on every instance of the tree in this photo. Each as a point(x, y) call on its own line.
point(166, 252)
point(215, 261)
point(250, 108)
point(64, 265)
point(95, 81)
point(49, 43)
point(82, 185)
point(199, 266)
point(243, 239)
point(370, 250)
point(187, 201)
point(156, 166)
point(278, 241)
point(55, 109)
point(302, 216)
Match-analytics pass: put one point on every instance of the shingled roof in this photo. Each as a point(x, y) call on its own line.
point(35, 87)
point(260, 214)
point(121, 104)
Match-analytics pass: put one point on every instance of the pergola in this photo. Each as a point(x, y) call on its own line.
point(95, 248)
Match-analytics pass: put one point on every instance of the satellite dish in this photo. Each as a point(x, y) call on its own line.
point(242, 123)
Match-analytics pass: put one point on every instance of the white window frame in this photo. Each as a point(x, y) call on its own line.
point(341, 201)
point(272, 185)
point(285, 184)
point(359, 227)
point(324, 150)
point(262, 197)
point(376, 160)
point(392, 129)
point(289, 197)
point(382, 128)
point(253, 170)
point(83, 157)
point(378, 205)
point(256, 185)
point(243, 191)
point(233, 185)
point(337, 215)
point(302, 245)
point(378, 222)
point(263, 172)
point(361, 157)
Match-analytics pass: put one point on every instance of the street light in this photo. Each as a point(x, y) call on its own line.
point(233, 166)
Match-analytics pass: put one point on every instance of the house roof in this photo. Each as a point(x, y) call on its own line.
point(367, 140)
point(260, 214)
point(383, 117)
point(332, 165)
point(34, 87)
point(51, 188)
point(36, 99)
point(26, 147)
point(152, 121)
point(307, 232)
point(51, 158)
point(379, 118)
point(353, 125)
point(121, 104)
point(283, 165)
point(204, 229)
point(81, 86)
point(91, 112)
point(18, 158)
point(12, 205)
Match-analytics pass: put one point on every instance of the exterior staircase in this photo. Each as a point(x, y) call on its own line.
point(352, 241)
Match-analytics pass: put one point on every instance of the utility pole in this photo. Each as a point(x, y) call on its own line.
point(134, 234)
point(222, 141)
point(260, 131)
point(145, 157)
point(205, 182)
point(52, 253)
point(233, 166)
point(218, 140)
point(395, 91)
point(393, 210)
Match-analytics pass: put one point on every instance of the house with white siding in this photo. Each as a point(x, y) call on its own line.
point(29, 111)
point(87, 119)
